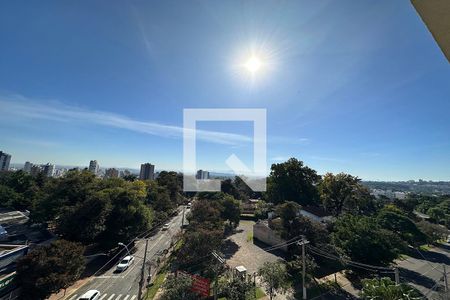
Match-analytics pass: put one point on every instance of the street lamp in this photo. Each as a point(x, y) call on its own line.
point(122, 244)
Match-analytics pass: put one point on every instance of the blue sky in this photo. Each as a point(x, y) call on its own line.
point(353, 86)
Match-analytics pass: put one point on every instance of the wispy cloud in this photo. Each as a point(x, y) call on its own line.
point(55, 111)
point(23, 107)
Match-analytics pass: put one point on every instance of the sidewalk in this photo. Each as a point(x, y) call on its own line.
point(70, 290)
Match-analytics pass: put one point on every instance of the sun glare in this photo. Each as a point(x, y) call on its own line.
point(253, 64)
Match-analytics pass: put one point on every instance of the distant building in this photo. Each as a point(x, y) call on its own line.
point(60, 172)
point(9, 254)
point(316, 213)
point(124, 173)
point(48, 169)
point(202, 174)
point(147, 171)
point(93, 166)
point(111, 173)
point(27, 167)
point(5, 158)
point(35, 170)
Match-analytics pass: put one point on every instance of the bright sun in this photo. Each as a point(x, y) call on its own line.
point(253, 64)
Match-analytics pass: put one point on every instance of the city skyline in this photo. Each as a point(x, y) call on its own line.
point(374, 106)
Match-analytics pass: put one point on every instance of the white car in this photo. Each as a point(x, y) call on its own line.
point(165, 226)
point(125, 263)
point(90, 295)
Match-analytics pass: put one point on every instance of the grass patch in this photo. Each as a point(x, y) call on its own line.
point(260, 293)
point(249, 237)
point(157, 283)
point(424, 248)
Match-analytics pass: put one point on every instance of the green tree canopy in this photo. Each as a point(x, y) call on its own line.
point(178, 288)
point(292, 181)
point(344, 193)
point(48, 269)
point(386, 289)
point(230, 210)
point(128, 218)
point(363, 240)
point(401, 225)
point(274, 277)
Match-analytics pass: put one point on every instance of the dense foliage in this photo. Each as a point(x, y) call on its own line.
point(386, 289)
point(48, 269)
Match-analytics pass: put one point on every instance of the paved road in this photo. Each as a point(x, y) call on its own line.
point(425, 271)
point(124, 286)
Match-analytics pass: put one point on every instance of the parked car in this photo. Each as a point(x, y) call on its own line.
point(165, 226)
point(90, 295)
point(125, 263)
point(188, 206)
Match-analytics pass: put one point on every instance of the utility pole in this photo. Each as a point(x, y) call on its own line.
point(182, 220)
point(303, 243)
point(446, 282)
point(397, 276)
point(141, 282)
point(222, 261)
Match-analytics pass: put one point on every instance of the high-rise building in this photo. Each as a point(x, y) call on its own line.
point(147, 171)
point(48, 170)
point(125, 173)
point(111, 173)
point(202, 174)
point(27, 167)
point(5, 158)
point(35, 170)
point(93, 166)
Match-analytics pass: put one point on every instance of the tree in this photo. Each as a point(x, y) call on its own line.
point(288, 211)
point(274, 277)
point(230, 210)
point(85, 221)
point(238, 289)
point(48, 269)
point(433, 232)
point(128, 218)
point(173, 183)
point(292, 181)
point(363, 240)
point(386, 289)
point(401, 225)
point(343, 192)
point(437, 214)
point(130, 177)
point(206, 214)
point(73, 188)
point(228, 187)
point(178, 288)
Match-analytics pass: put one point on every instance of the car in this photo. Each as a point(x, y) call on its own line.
point(165, 226)
point(125, 263)
point(90, 295)
point(188, 206)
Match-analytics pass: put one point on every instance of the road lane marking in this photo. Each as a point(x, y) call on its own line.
point(73, 297)
point(126, 297)
point(132, 298)
point(104, 295)
point(118, 297)
point(112, 296)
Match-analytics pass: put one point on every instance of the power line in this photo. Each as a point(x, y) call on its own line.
point(347, 261)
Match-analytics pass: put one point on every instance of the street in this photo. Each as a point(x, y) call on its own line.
point(425, 271)
point(125, 285)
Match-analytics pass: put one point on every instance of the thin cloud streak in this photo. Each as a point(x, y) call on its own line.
point(24, 108)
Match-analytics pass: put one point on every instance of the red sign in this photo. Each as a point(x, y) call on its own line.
point(200, 285)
